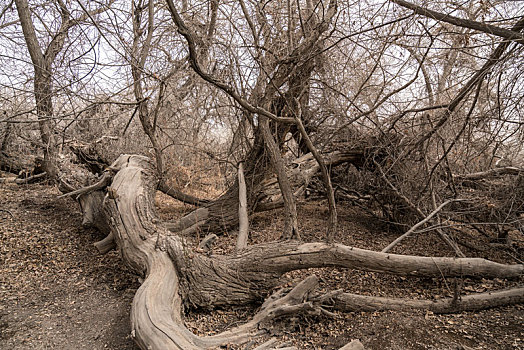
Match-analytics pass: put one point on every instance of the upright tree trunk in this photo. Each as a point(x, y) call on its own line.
point(43, 60)
point(43, 89)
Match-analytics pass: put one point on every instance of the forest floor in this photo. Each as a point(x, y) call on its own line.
point(56, 292)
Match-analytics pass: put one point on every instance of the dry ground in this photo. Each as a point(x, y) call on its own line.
point(56, 292)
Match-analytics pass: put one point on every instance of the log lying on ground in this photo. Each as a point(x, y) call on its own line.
point(211, 281)
point(24, 181)
point(354, 302)
point(156, 312)
point(490, 173)
point(176, 274)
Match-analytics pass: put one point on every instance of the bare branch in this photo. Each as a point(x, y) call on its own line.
point(348, 302)
point(193, 59)
point(511, 35)
point(491, 173)
point(420, 223)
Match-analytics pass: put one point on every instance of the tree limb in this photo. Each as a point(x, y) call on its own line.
point(179, 195)
point(348, 302)
point(462, 22)
point(412, 229)
point(490, 173)
point(492, 60)
point(193, 59)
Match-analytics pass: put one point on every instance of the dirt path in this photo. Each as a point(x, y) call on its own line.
point(56, 292)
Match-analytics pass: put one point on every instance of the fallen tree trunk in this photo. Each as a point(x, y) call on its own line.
point(24, 181)
point(156, 312)
point(176, 274)
point(354, 302)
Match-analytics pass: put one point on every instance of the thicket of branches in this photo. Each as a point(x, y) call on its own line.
point(435, 100)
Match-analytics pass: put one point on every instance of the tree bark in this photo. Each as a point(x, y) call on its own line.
point(43, 60)
point(142, 240)
point(291, 219)
point(262, 189)
point(348, 302)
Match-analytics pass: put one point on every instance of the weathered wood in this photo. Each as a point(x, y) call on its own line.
point(490, 173)
point(210, 281)
point(207, 242)
point(195, 219)
point(354, 302)
point(286, 189)
point(156, 311)
point(263, 191)
point(283, 257)
point(179, 195)
point(106, 245)
point(243, 225)
point(24, 181)
point(104, 181)
point(92, 205)
point(353, 345)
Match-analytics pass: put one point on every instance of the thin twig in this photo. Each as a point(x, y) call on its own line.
point(417, 225)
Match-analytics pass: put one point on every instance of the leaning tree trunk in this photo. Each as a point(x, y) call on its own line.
point(176, 274)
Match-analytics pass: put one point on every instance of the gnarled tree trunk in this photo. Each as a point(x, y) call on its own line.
point(175, 273)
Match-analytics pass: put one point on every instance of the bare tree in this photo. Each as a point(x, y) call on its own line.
point(43, 60)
